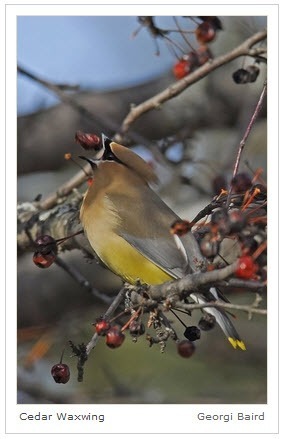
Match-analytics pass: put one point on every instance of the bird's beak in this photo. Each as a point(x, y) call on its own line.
point(105, 142)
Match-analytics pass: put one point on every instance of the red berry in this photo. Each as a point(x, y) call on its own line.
point(218, 184)
point(101, 326)
point(136, 328)
point(246, 267)
point(114, 337)
point(88, 141)
point(215, 21)
point(44, 239)
point(61, 373)
point(204, 54)
point(205, 32)
point(181, 68)
point(237, 220)
point(44, 260)
point(193, 60)
point(186, 348)
point(253, 72)
point(207, 322)
point(241, 183)
point(46, 244)
point(181, 227)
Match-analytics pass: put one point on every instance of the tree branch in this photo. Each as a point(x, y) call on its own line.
point(181, 288)
point(112, 308)
point(59, 222)
point(178, 87)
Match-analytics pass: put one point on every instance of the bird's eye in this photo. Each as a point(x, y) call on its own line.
point(110, 156)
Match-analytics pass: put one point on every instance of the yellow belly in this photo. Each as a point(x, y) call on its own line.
point(100, 222)
point(125, 261)
point(116, 253)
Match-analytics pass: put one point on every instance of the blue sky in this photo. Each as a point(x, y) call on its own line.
point(91, 51)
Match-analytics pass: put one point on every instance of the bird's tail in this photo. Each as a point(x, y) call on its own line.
point(221, 318)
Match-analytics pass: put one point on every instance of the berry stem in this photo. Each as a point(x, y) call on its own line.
point(133, 317)
point(61, 240)
point(260, 250)
point(181, 321)
point(62, 356)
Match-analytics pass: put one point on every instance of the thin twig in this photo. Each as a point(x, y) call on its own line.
point(81, 280)
point(245, 137)
point(114, 305)
point(68, 99)
point(65, 189)
point(182, 32)
point(250, 309)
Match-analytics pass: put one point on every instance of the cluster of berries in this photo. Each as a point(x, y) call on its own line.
point(46, 251)
point(186, 347)
point(244, 76)
point(205, 33)
point(114, 337)
point(245, 220)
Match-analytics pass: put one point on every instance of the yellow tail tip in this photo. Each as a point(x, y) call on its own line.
point(237, 343)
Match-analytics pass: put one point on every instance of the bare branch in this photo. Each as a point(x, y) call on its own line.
point(59, 90)
point(68, 99)
point(178, 87)
point(65, 189)
point(174, 291)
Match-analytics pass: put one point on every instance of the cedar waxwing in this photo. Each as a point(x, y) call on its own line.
point(128, 226)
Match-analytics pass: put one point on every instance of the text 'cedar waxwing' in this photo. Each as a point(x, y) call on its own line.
point(128, 226)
